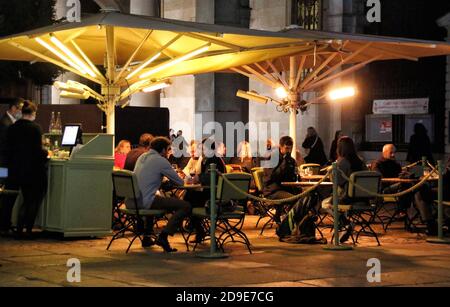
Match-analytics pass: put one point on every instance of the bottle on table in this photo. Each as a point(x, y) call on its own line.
point(58, 125)
point(51, 128)
point(55, 149)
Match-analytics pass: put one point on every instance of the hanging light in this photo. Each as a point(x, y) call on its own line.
point(342, 93)
point(60, 55)
point(143, 65)
point(71, 55)
point(157, 86)
point(175, 61)
point(254, 96)
point(281, 92)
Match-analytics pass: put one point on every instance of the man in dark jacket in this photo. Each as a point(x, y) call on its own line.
point(388, 167)
point(10, 117)
point(27, 162)
point(144, 146)
point(285, 171)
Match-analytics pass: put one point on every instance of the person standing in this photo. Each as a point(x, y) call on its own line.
point(27, 165)
point(314, 146)
point(10, 117)
point(419, 145)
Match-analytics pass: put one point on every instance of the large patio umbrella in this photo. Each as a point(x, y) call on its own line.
point(129, 53)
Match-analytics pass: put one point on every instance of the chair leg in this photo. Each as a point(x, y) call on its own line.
point(132, 241)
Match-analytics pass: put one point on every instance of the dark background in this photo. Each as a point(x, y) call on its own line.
point(131, 122)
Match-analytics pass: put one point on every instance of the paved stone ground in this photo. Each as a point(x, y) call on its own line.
point(406, 260)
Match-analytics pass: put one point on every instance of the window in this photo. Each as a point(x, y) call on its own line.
point(307, 14)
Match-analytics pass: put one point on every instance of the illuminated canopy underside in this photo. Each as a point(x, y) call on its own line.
point(126, 41)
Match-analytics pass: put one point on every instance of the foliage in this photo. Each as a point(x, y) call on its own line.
point(20, 16)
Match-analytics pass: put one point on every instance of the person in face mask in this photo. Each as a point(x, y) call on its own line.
point(27, 163)
point(10, 117)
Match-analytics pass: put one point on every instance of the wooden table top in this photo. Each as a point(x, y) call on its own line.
point(305, 183)
point(312, 177)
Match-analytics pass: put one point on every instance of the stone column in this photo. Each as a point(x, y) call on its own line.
point(445, 22)
point(147, 8)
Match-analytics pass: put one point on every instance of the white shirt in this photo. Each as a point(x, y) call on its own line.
point(193, 166)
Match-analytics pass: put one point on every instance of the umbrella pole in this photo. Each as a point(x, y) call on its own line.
point(292, 96)
point(110, 116)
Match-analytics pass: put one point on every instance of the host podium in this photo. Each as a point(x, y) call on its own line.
point(79, 196)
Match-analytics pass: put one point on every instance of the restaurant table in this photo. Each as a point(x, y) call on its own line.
point(312, 178)
point(305, 184)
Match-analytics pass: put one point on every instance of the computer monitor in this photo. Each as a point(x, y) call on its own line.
point(3, 172)
point(71, 135)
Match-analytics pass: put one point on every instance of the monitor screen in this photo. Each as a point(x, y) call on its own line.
point(3, 172)
point(70, 135)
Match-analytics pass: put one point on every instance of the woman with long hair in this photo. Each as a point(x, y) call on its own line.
point(121, 152)
point(333, 149)
point(348, 162)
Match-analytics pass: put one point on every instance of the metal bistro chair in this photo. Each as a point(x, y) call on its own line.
point(265, 210)
point(233, 168)
point(126, 186)
point(230, 219)
point(361, 203)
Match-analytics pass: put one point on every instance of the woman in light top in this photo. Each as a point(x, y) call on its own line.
point(121, 152)
point(194, 166)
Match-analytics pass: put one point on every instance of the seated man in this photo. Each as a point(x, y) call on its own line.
point(388, 167)
point(284, 171)
point(150, 169)
point(133, 155)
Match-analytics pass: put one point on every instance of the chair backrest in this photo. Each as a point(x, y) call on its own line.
point(313, 166)
point(258, 177)
point(225, 192)
point(126, 185)
point(369, 180)
point(233, 168)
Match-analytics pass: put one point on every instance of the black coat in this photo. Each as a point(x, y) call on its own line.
point(285, 171)
point(5, 122)
point(419, 146)
point(26, 159)
point(316, 151)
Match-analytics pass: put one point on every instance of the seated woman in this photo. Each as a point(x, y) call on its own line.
point(198, 198)
point(349, 162)
point(120, 153)
point(209, 156)
point(194, 167)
